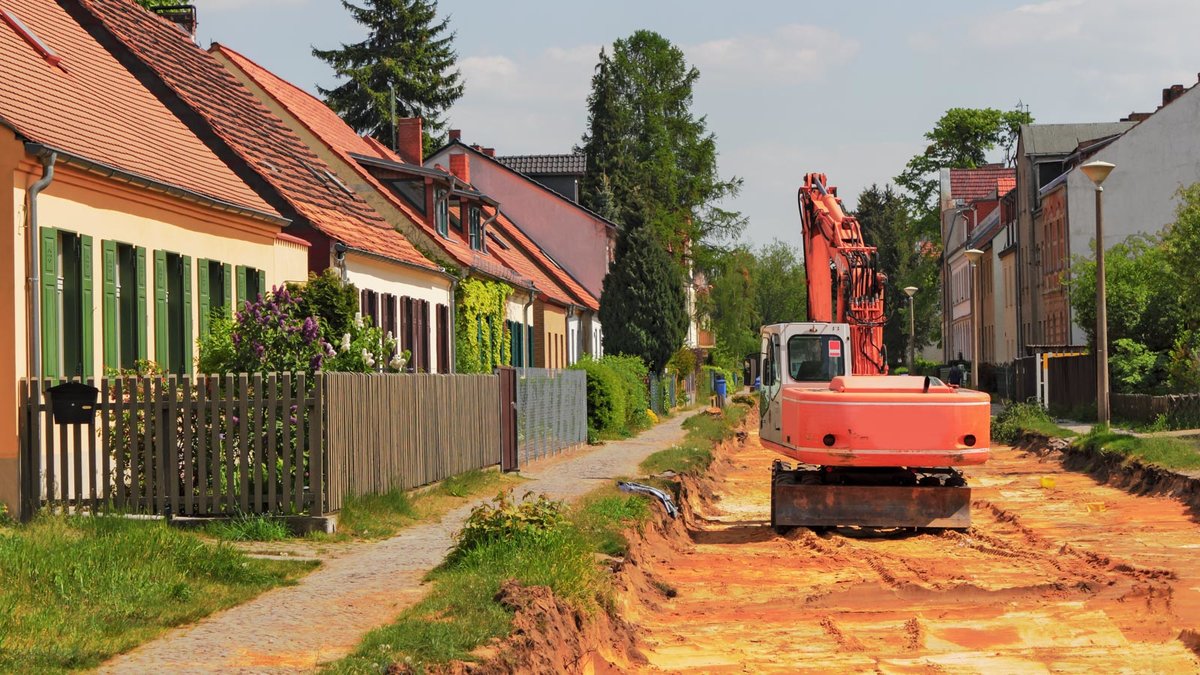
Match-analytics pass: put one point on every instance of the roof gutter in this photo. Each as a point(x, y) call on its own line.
point(123, 176)
point(33, 237)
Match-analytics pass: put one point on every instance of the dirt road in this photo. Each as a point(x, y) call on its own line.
point(1077, 578)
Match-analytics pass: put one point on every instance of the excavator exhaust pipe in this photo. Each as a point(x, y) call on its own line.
point(802, 498)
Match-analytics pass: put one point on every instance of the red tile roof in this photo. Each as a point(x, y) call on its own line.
point(522, 263)
point(331, 130)
point(257, 136)
point(93, 107)
point(982, 183)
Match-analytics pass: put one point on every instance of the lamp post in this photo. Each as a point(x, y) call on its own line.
point(973, 255)
point(1097, 171)
point(912, 328)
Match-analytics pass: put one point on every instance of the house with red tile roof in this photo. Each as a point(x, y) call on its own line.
point(405, 291)
point(971, 220)
point(129, 227)
point(438, 209)
point(580, 242)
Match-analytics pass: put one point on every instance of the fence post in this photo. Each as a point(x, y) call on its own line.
point(508, 418)
point(30, 445)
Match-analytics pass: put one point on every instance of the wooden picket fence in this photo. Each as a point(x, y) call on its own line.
point(1181, 411)
point(215, 445)
point(253, 444)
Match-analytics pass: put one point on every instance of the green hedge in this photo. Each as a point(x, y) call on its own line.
point(616, 395)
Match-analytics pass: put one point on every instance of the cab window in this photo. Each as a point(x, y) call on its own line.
point(809, 358)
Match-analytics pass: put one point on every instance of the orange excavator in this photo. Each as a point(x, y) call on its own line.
point(873, 450)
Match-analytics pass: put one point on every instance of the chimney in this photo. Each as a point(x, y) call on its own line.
point(455, 135)
point(410, 142)
point(490, 152)
point(460, 165)
point(1172, 93)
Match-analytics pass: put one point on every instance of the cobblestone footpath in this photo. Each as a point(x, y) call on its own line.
point(363, 586)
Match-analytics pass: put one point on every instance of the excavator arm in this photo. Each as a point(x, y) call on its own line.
point(844, 282)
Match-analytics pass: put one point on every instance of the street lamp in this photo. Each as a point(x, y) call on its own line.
point(1097, 171)
point(912, 329)
point(973, 255)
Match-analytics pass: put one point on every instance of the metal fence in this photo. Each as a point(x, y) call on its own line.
point(663, 392)
point(551, 411)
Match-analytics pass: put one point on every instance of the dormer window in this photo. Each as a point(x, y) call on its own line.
point(475, 223)
point(441, 213)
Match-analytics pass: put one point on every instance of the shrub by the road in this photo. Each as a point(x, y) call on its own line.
point(1019, 419)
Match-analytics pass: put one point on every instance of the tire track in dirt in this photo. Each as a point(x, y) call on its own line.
point(1040, 582)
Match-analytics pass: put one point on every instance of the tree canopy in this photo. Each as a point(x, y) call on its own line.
point(647, 151)
point(644, 310)
point(407, 54)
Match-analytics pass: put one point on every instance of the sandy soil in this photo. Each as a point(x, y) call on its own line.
point(1079, 577)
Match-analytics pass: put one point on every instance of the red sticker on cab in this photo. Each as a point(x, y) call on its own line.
point(835, 349)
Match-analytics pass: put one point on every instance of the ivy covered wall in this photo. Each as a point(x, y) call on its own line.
point(481, 338)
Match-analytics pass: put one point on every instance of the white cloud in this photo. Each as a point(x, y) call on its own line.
point(790, 54)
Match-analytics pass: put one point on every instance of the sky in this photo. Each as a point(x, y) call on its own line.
point(788, 87)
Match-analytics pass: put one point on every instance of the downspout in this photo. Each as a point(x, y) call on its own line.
point(525, 327)
point(32, 240)
point(453, 329)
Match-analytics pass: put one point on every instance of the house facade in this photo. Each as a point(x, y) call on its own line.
point(440, 211)
point(970, 215)
point(124, 245)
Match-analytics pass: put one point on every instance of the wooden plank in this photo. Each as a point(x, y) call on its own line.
point(213, 393)
point(106, 447)
point(203, 423)
point(122, 440)
point(170, 448)
point(64, 467)
point(243, 432)
point(46, 442)
point(230, 445)
point(254, 405)
point(146, 440)
point(301, 446)
point(290, 466)
point(272, 418)
point(93, 463)
point(191, 416)
point(317, 447)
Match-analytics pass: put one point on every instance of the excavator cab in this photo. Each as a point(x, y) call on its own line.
point(805, 355)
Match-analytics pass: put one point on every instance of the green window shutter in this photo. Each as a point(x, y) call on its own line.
point(143, 350)
point(241, 287)
point(205, 295)
point(262, 282)
point(88, 305)
point(228, 271)
point(112, 348)
point(161, 330)
point(49, 308)
point(188, 346)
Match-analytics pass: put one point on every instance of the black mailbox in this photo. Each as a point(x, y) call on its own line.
point(73, 402)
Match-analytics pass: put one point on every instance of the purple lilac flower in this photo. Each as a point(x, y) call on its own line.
point(311, 329)
point(314, 364)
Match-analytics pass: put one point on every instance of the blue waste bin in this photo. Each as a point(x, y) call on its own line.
point(720, 387)
point(757, 382)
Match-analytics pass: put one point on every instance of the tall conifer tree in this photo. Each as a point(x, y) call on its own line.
point(407, 51)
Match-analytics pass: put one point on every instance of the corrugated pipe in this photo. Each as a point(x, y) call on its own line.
point(33, 238)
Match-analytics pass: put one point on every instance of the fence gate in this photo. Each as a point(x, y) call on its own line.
point(551, 411)
point(508, 419)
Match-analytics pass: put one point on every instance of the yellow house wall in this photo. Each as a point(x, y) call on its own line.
point(550, 327)
point(84, 203)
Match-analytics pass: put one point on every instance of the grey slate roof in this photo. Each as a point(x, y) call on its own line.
point(546, 165)
point(1063, 139)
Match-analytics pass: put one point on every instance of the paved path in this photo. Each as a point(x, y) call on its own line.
point(325, 615)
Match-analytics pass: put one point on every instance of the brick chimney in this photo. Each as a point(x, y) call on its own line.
point(460, 165)
point(1173, 92)
point(490, 152)
point(455, 135)
point(410, 143)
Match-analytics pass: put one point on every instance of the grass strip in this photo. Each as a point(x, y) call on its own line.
point(1020, 419)
point(694, 453)
point(1171, 453)
point(530, 541)
point(75, 591)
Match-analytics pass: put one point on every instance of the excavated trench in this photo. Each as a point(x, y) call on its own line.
point(1078, 577)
